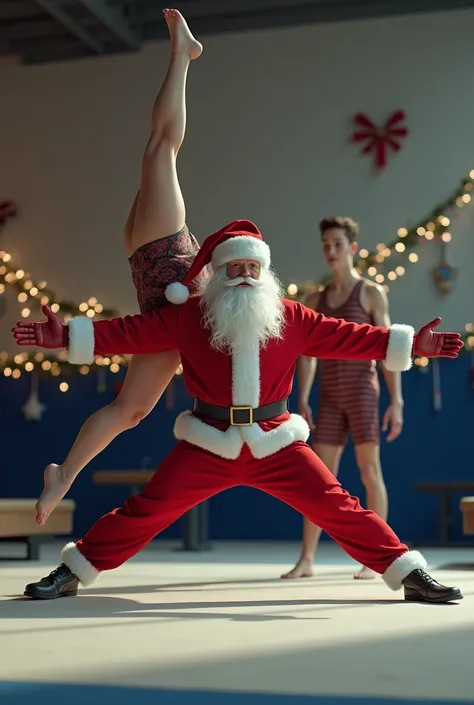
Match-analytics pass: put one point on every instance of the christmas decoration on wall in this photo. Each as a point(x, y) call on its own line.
point(7, 210)
point(101, 381)
point(380, 139)
point(33, 410)
point(370, 264)
point(444, 274)
point(437, 401)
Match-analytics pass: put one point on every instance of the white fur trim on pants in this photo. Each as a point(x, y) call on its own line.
point(77, 564)
point(399, 350)
point(81, 341)
point(403, 566)
point(228, 444)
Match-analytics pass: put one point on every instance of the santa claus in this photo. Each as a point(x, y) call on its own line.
point(239, 343)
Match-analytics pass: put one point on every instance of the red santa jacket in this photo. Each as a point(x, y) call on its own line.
point(254, 378)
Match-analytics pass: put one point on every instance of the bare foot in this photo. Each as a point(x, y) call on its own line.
point(365, 574)
point(55, 487)
point(303, 569)
point(181, 38)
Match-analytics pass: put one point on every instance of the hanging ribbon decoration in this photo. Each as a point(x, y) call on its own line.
point(7, 210)
point(380, 138)
point(437, 401)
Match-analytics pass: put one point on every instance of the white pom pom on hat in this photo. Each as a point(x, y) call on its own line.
point(240, 239)
point(177, 293)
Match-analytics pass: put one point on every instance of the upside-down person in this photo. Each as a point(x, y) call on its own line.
point(239, 343)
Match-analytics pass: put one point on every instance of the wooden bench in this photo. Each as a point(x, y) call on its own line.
point(18, 523)
point(467, 509)
point(196, 521)
point(444, 491)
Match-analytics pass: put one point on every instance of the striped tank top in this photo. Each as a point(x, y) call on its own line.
point(343, 378)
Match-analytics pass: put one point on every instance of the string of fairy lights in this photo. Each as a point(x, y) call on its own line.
point(370, 263)
point(31, 295)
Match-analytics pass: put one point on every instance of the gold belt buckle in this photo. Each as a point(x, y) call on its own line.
point(233, 409)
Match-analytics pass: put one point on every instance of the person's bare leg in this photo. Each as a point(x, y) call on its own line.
point(368, 460)
point(147, 378)
point(158, 211)
point(331, 457)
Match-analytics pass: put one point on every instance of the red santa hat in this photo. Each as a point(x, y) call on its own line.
point(240, 239)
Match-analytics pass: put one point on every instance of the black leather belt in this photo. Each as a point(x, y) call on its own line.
point(241, 415)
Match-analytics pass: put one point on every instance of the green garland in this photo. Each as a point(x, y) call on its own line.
point(31, 294)
point(407, 240)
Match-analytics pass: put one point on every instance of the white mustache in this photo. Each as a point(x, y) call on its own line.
point(243, 280)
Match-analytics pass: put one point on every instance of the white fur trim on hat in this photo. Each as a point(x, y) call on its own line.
point(177, 293)
point(241, 247)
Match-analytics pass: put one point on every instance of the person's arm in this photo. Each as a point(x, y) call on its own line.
point(316, 335)
point(143, 334)
point(393, 417)
point(307, 367)
point(337, 339)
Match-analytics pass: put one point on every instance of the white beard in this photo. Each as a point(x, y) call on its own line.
point(241, 317)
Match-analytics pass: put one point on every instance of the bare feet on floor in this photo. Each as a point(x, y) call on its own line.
point(182, 41)
point(303, 569)
point(365, 574)
point(55, 487)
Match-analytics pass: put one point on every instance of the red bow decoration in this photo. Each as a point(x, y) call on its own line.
point(7, 210)
point(380, 138)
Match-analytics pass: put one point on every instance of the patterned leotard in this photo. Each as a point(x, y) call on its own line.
point(349, 389)
point(161, 262)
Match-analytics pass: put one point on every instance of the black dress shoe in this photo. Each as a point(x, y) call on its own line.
point(421, 587)
point(60, 583)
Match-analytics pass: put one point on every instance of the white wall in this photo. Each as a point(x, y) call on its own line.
point(269, 120)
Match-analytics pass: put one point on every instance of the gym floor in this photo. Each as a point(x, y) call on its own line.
point(218, 627)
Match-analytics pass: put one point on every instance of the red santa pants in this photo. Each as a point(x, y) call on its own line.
point(190, 475)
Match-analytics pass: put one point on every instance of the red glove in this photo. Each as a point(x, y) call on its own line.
point(429, 344)
point(51, 335)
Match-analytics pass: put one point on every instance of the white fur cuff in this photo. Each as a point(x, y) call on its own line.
point(78, 564)
point(241, 247)
point(81, 341)
point(403, 566)
point(399, 349)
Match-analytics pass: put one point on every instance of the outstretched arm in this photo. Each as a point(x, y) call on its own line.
point(307, 367)
point(142, 334)
point(342, 340)
point(393, 417)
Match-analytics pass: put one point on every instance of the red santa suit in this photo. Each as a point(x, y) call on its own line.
point(212, 456)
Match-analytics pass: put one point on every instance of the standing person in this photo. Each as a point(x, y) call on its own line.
point(239, 344)
point(349, 389)
point(160, 249)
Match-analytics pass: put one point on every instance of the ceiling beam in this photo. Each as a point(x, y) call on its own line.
point(312, 10)
point(114, 19)
point(262, 14)
point(44, 27)
point(56, 10)
point(18, 10)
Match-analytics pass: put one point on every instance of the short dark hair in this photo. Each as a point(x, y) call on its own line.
point(350, 227)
